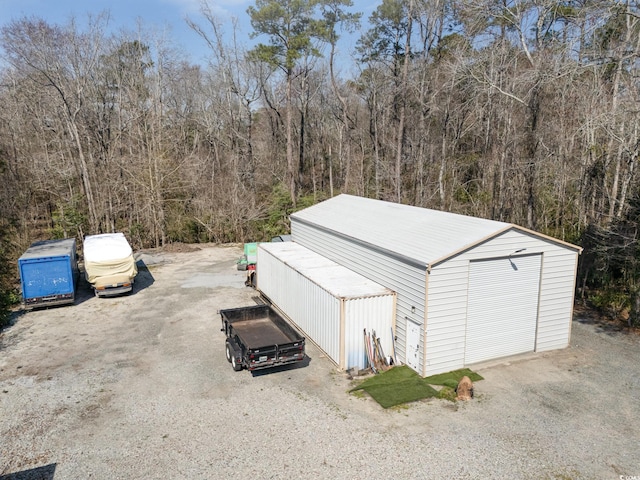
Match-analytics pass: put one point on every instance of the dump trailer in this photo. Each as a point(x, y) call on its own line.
point(109, 264)
point(258, 337)
point(49, 273)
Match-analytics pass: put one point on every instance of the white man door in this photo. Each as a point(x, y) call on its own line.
point(413, 345)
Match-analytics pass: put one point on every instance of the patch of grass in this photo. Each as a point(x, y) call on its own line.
point(451, 379)
point(400, 408)
point(447, 393)
point(451, 383)
point(357, 393)
point(401, 385)
point(396, 386)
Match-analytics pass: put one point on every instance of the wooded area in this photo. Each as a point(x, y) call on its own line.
point(526, 112)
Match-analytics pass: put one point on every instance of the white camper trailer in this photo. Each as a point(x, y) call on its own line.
point(109, 264)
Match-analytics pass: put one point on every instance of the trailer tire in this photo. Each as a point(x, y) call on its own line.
point(234, 364)
point(229, 353)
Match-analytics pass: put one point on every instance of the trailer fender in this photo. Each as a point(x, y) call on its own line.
point(233, 355)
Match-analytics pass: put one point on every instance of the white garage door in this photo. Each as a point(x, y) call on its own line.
point(502, 307)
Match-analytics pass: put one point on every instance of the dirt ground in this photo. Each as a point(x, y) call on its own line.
point(138, 387)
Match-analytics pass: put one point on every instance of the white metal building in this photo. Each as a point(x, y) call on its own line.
point(468, 289)
point(331, 304)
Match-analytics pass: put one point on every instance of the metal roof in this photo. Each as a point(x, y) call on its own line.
point(50, 248)
point(336, 279)
point(418, 235)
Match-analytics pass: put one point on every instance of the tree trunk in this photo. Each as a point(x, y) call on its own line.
point(403, 105)
point(84, 174)
point(291, 164)
point(634, 314)
point(532, 147)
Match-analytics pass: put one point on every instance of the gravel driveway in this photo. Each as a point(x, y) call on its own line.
point(138, 387)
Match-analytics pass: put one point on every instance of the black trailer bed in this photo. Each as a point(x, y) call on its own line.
point(259, 326)
point(260, 332)
point(258, 337)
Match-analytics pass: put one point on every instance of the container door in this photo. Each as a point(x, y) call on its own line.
point(46, 278)
point(413, 345)
point(502, 307)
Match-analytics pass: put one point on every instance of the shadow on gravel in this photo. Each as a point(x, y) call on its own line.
point(608, 327)
point(13, 319)
point(282, 368)
point(143, 279)
point(39, 473)
point(84, 291)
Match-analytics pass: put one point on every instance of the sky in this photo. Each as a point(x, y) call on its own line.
point(168, 16)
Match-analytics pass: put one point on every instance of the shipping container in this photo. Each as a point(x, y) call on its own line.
point(49, 273)
point(332, 305)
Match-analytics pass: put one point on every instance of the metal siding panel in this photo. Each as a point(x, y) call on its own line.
point(316, 311)
point(408, 282)
point(556, 300)
point(446, 321)
point(365, 313)
point(502, 307)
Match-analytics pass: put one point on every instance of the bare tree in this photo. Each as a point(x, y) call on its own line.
point(60, 60)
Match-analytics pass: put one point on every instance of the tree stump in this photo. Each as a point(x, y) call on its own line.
point(464, 390)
